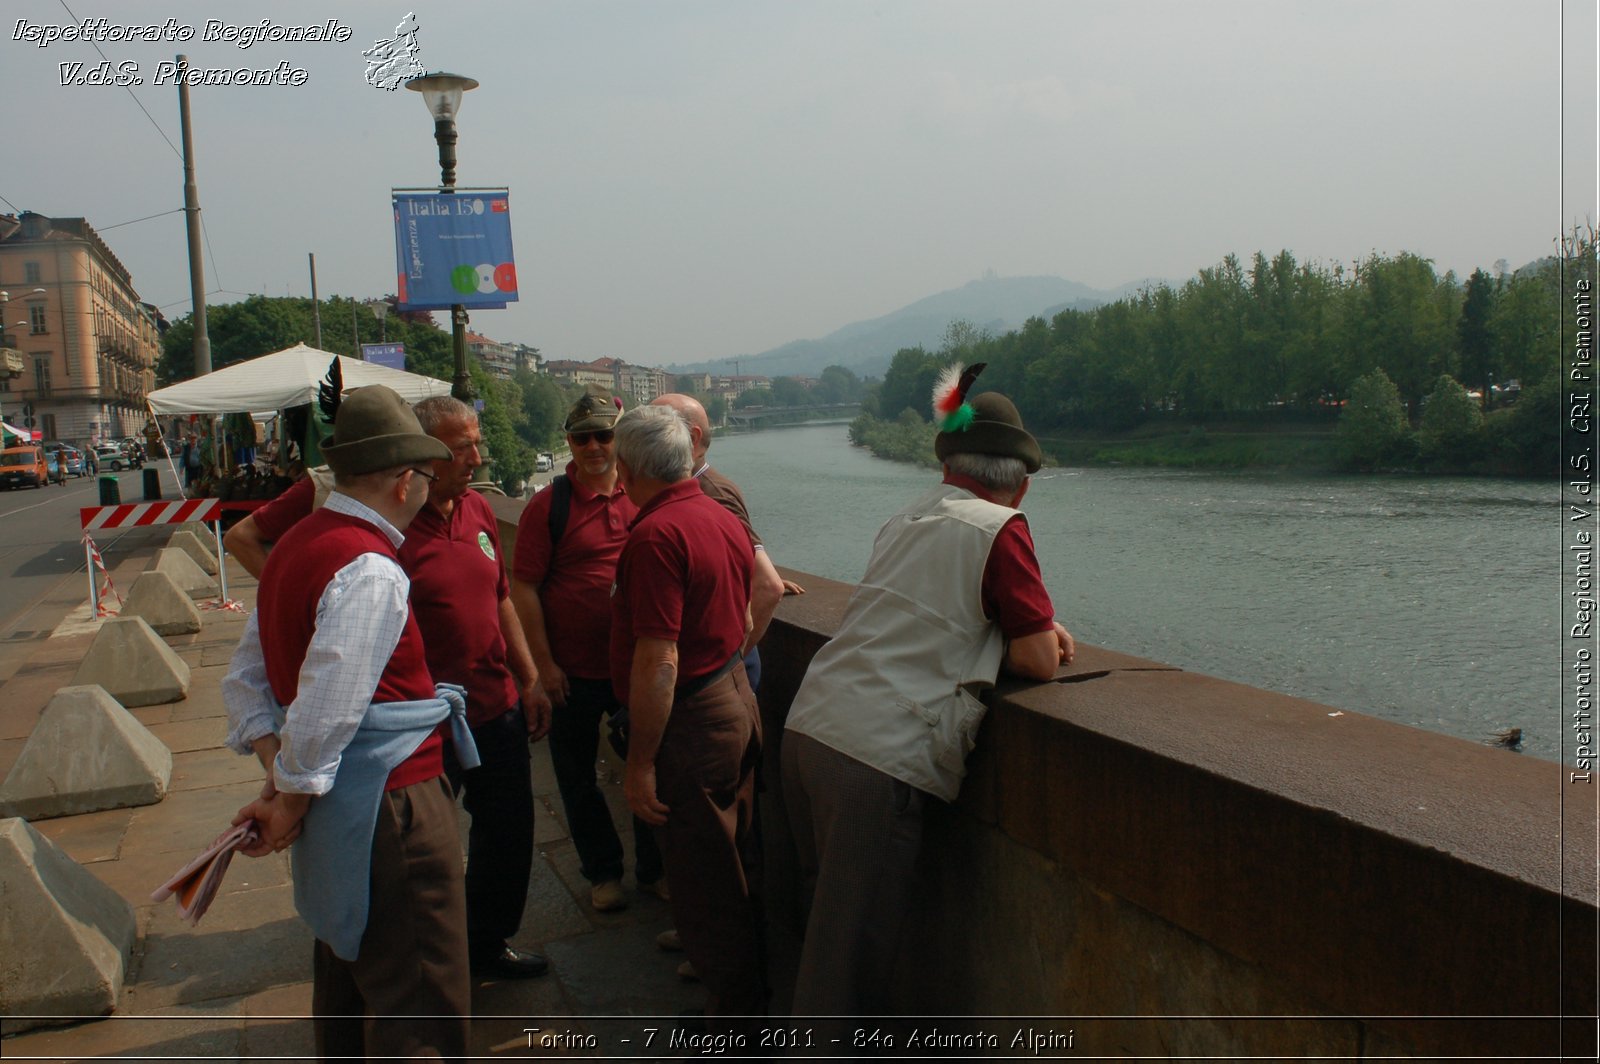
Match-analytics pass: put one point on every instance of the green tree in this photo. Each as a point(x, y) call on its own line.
point(788, 391)
point(716, 408)
point(1373, 430)
point(1402, 325)
point(261, 325)
point(908, 384)
point(753, 397)
point(1474, 334)
point(837, 384)
point(1525, 324)
point(544, 407)
point(1449, 435)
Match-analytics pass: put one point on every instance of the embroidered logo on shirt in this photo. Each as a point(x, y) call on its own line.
point(485, 545)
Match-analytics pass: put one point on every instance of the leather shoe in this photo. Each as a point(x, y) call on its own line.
point(509, 963)
point(607, 896)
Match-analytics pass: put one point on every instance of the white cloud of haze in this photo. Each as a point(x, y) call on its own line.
point(711, 177)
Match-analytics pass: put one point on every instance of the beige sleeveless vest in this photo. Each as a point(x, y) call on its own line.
point(897, 687)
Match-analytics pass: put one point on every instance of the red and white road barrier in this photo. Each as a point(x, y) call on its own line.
point(142, 514)
point(135, 514)
point(96, 562)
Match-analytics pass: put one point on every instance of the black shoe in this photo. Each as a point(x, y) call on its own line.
point(508, 963)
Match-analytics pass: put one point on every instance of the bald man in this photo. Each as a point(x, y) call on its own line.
point(767, 588)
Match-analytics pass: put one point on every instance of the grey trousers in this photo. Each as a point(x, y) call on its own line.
point(857, 831)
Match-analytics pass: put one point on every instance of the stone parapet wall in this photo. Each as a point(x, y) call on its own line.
point(1207, 868)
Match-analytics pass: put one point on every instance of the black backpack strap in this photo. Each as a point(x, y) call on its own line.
point(560, 507)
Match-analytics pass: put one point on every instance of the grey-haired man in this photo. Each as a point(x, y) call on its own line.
point(888, 711)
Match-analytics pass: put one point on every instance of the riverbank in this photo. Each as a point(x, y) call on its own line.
point(1291, 447)
point(1404, 597)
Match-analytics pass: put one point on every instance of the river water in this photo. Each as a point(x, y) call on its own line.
point(1428, 601)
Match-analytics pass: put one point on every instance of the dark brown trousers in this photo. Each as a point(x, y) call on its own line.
point(407, 995)
point(705, 775)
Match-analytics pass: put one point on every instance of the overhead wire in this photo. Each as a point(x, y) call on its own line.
point(205, 234)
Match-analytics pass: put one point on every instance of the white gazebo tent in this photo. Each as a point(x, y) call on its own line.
point(281, 380)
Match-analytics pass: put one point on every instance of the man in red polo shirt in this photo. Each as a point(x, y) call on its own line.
point(565, 566)
point(462, 600)
point(330, 689)
point(681, 614)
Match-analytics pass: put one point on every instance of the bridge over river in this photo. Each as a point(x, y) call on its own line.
point(753, 417)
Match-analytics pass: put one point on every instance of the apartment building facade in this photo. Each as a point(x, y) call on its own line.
point(86, 342)
point(638, 383)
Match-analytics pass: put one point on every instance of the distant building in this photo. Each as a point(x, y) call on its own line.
point(529, 358)
point(571, 372)
point(731, 387)
point(499, 359)
point(88, 343)
point(640, 383)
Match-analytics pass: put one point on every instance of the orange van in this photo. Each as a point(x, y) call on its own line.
point(23, 466)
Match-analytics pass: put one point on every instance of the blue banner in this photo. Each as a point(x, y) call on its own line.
point(452, 249)
point(391, 355)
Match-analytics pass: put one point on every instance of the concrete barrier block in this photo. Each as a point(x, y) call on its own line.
point(162, 603)
point(131, 662)
point(185, 573)
point(68, 936)
point(86, 753)
point(195, 547)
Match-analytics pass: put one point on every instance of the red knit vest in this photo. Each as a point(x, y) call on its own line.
point(298, 570)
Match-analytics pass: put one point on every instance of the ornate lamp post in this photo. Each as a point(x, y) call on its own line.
point(442, 94)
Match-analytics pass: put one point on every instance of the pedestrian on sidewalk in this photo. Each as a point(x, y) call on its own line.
point(888, 709)
point(330, 688)
point(568, 540)
point(472, 638)
point(681, 615)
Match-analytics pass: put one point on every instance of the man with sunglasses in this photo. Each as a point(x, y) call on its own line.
point(568, 541)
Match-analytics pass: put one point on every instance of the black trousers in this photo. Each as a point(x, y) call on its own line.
point(499, 799)
point(574, 743)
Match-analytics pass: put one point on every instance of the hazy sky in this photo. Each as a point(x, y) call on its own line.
point(706, 178)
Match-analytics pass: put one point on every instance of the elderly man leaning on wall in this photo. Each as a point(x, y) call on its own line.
point(889, 708)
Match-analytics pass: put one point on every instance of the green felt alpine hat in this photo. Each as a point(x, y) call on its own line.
point(995, 428)
point(376, 429)
point(595, 410)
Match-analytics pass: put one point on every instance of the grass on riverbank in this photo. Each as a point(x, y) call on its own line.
point(1201, 449)
point(911, 440)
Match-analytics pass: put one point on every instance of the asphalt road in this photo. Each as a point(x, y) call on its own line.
point(42, 558)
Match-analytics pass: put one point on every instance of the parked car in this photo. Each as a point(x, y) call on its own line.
point(72, 461)
point(23, 466)
point(110, 457)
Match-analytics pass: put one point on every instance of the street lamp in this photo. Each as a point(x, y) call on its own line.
point(442, 95)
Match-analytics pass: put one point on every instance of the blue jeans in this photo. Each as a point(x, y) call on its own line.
point(574, 743)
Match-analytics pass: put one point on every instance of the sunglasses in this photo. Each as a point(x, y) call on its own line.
point(601, 436)
point(419, 472)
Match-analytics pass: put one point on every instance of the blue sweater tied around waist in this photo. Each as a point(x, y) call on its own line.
point(332, 858)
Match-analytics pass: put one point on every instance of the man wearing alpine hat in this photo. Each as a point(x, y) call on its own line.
point(889, 708)
point(330, 688)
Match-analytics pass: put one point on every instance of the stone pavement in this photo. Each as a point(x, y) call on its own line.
point(238, 986)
